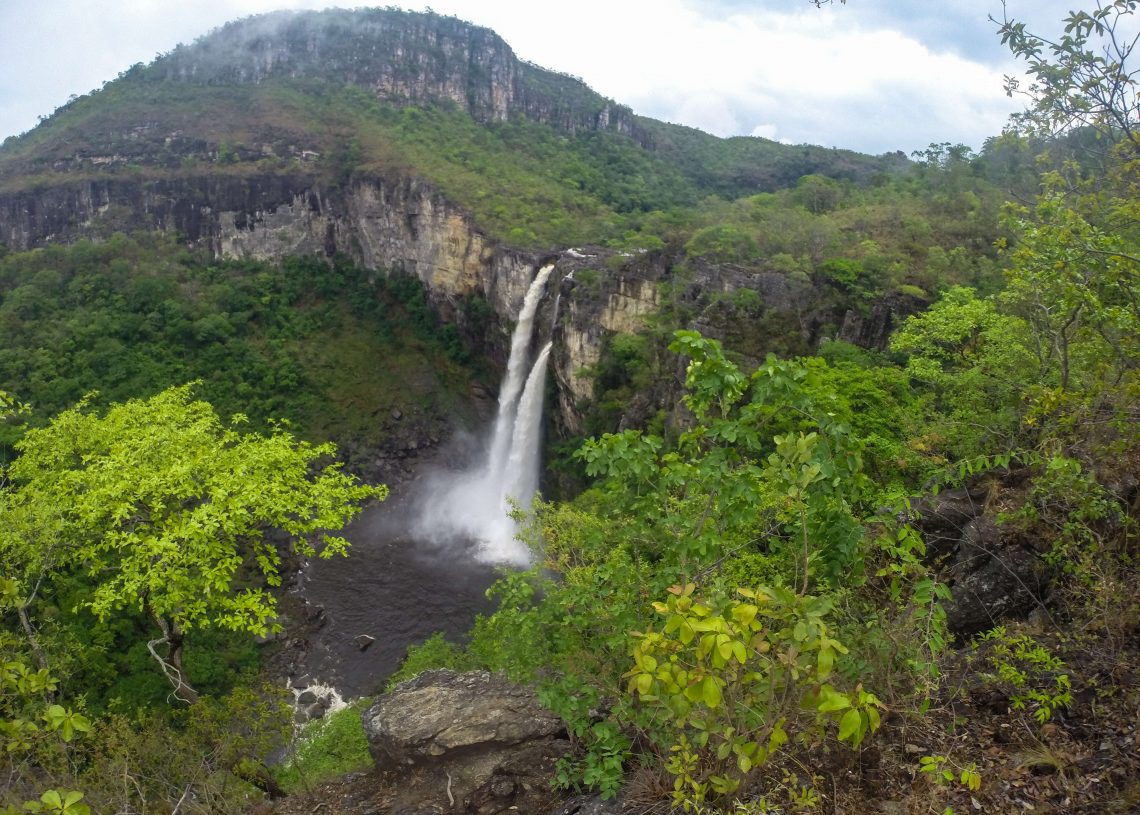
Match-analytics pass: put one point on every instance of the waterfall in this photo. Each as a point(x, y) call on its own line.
point(521, 481)
point(474, 505)
point(503, 434)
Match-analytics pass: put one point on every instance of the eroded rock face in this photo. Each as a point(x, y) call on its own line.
point(472, 742)
point(992, 574)
point(399, 56)
point(383, 223)
point(405, 224)
point(597, 301)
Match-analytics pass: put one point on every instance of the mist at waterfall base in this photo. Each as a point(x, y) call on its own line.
point(473, 506)
point(421, 561)
point(392, 587)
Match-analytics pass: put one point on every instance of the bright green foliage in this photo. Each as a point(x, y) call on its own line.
point(27, 728)
point(776, 466)
point(972, 365)
point(31, 726)
point(58, 803)
point(762, 486)
point(325, 749)
point(1075, 284)
point(724, 244)
point(1075, 275)
point(1027, 670)
point(168, 511)
point(845, 273)
point(170, 504)
point(434, 652)
point(738, 680)
point(935, 768)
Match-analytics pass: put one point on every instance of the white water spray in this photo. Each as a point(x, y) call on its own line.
point(474, 505)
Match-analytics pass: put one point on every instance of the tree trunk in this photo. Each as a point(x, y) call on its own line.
point(171, 664)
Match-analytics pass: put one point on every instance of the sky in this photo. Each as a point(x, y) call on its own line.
point(869, 75)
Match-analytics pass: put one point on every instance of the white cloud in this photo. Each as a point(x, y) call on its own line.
point(765, 131)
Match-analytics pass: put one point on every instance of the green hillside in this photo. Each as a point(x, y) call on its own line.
point(544, 176)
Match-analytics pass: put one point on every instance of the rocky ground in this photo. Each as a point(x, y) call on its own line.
point(473, 744)
point(1084, 761)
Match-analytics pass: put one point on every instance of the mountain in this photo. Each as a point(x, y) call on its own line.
point(304, 102)
point(406, 141)
point(418, 143)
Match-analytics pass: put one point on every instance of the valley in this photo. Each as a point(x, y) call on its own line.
point(783, 478)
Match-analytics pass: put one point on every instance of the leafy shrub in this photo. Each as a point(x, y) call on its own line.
point(738, 680)
point(843, 272)
point(434, 652)
point(724, 244)
point(327, 748)
point(1025, 669)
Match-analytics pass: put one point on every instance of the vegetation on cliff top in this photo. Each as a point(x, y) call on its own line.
point(527, 182)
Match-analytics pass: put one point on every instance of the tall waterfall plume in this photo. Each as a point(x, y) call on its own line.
point(474, 505)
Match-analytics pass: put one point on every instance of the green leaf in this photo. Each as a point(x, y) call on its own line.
point(825, 660)
point(832, 700)
point(711, 693)
point(873, 718)
point(744, 613)
point(850, 725)
point(778, 738)
point(685, 631)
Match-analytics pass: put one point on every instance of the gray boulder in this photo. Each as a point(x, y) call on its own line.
point(993, 574)
point(470, 742)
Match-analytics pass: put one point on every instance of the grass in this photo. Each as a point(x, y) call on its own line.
point(326, 749)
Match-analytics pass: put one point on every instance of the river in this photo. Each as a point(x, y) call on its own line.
point(393, 588)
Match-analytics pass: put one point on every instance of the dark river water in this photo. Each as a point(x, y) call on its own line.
point(393, 588)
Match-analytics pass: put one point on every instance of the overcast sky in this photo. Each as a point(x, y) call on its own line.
point(871, 75)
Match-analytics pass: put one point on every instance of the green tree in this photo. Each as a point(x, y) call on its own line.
point(1075, 251)
point(171, 513)
point(1082, 79)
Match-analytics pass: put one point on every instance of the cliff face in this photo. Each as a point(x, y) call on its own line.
point(402, 223)
point(399, 56)
point(147, 156)
point(383, 224)
point(595, 304)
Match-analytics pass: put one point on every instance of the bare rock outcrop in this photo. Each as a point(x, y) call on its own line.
point(993, 574)
point(467, 742)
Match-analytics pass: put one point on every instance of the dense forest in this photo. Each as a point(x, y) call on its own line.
point(780, 572)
